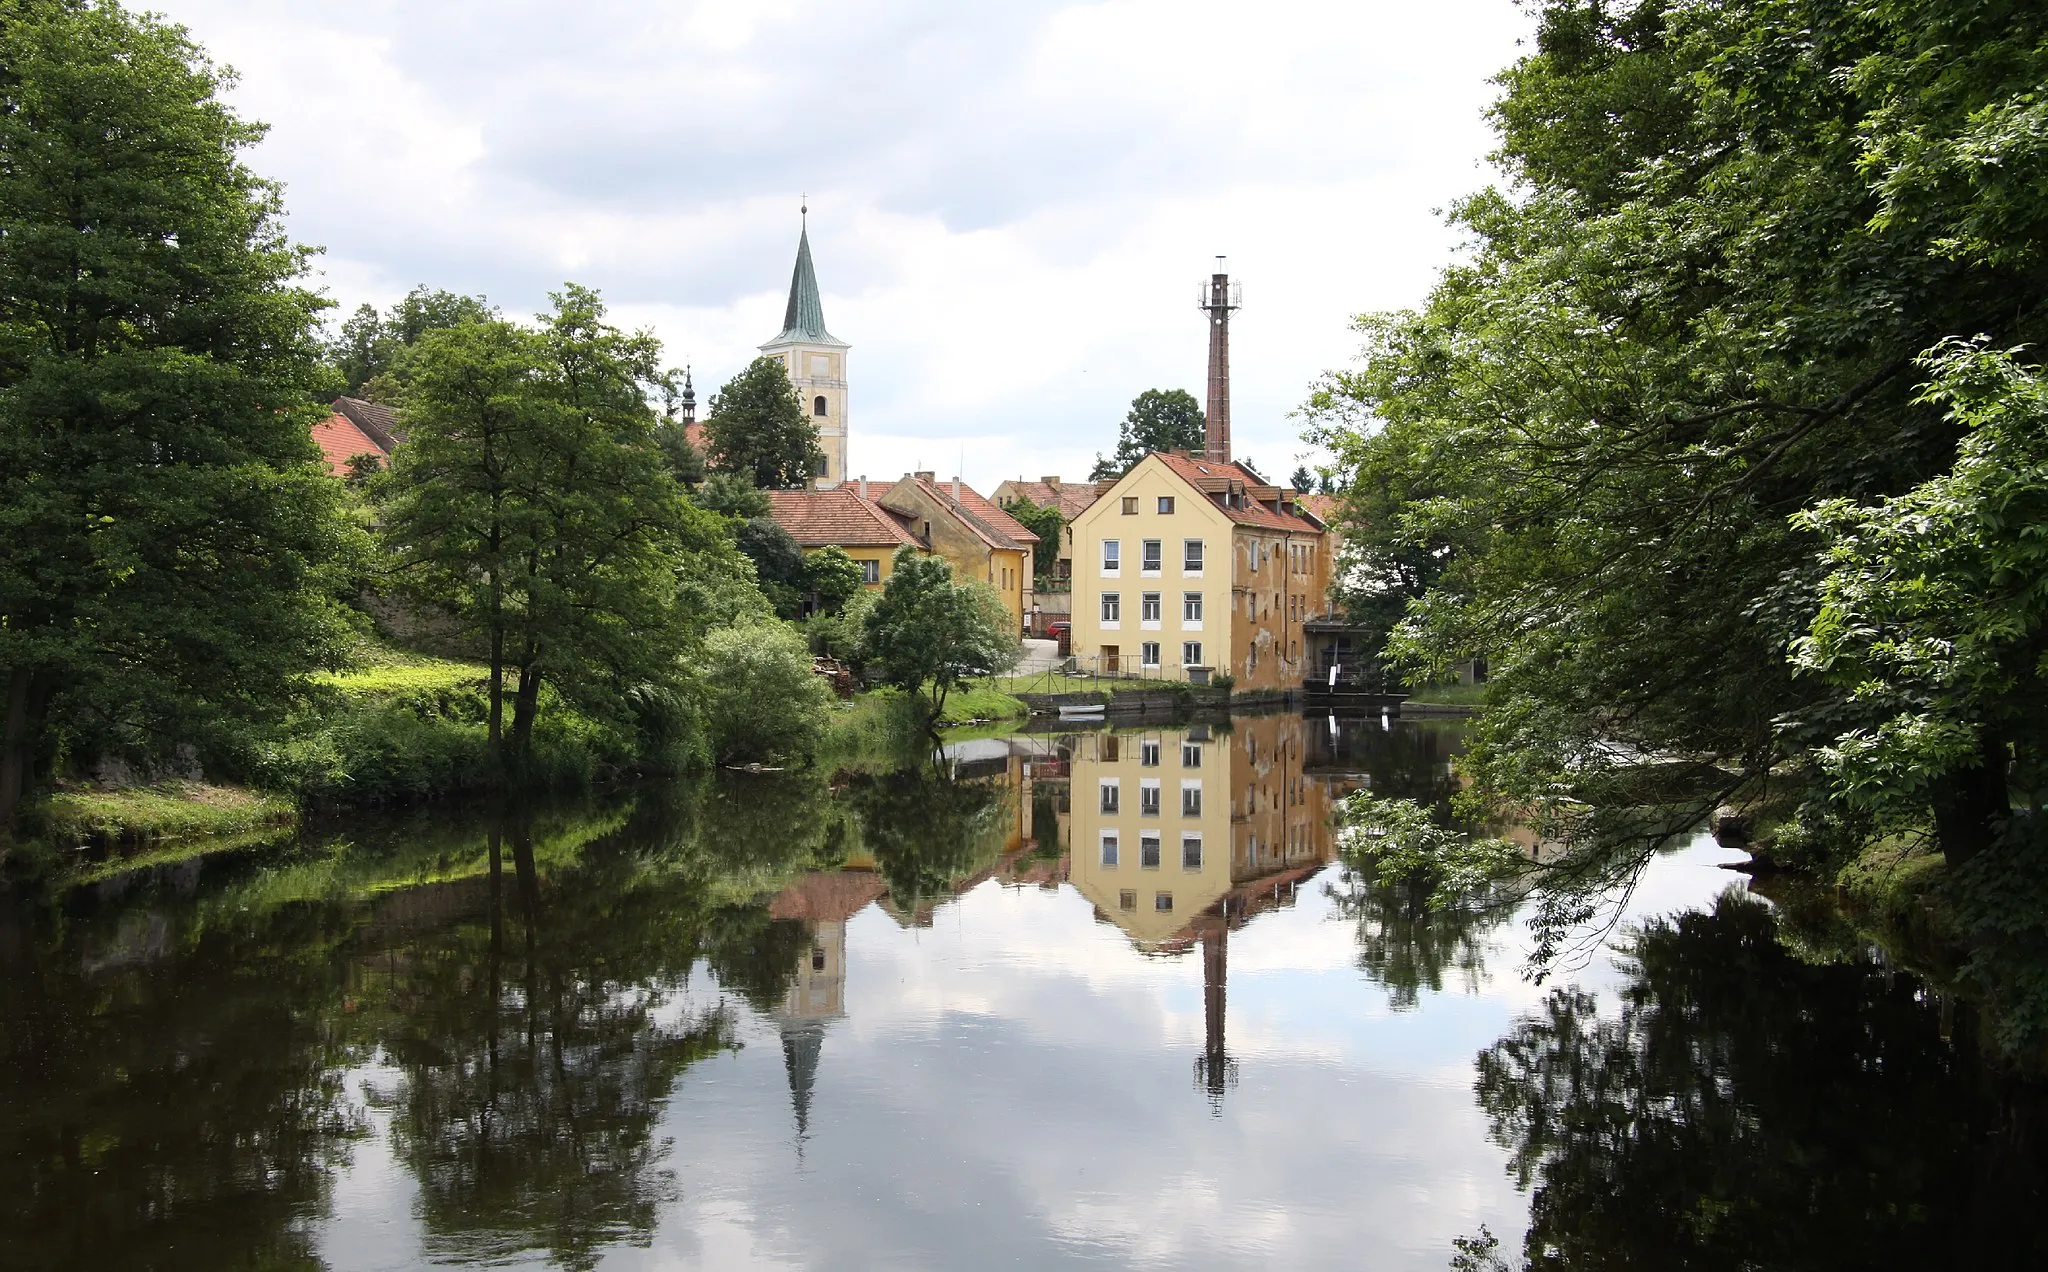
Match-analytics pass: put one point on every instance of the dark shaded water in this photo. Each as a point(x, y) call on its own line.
point(997, 1010)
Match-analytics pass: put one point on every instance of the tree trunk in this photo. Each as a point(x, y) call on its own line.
point(1971, 803)
point(16, 750)
point(497, 695)
point(524, 706)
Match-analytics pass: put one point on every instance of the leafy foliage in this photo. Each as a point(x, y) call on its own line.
point(929, 633)
point(373, 352)
point(169, 553)
point(761, 701)
point(1049, 526)
point(758, 430)
point(1159, 420)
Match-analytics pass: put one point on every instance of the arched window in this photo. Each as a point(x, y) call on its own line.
point(818, 407)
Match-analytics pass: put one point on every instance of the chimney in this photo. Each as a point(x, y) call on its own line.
point(1051, 483)
point(925, 476)
point(1219, 298)
point(956, 487)
point(863, 485)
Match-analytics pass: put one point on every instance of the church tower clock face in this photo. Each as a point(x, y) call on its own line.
point(815, 361)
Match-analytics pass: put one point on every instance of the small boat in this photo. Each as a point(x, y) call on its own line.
point(1082, 711)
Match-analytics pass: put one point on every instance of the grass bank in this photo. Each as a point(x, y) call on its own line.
point(154, 814)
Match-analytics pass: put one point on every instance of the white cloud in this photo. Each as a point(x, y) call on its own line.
point(1012, 204)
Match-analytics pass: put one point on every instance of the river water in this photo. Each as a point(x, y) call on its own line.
point(1098, 999)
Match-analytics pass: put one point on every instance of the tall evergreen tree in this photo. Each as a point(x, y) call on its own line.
point(163, 528)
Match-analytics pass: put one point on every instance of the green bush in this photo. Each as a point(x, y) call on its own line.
point(761, 701)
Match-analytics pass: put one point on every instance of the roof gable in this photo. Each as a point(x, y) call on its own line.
point(835, 518)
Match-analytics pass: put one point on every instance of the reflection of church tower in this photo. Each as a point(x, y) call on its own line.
point(1214, 1068)
point(816, 994)
point(816, 362)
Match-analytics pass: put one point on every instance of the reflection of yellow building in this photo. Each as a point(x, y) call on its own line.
point(1168, 823)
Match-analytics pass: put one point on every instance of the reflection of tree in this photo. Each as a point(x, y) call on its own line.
point(538, 1046)
point(169, 1098)
point(1745, 1109)
point(927, 832)
point(1406, 944)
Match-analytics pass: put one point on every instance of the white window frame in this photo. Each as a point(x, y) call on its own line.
point(1112, 849)
point(1148, 797)
point(1200, 558)
point(1191, 786)
point(1148, 653)
point(1112, 611)
point(1110, 799)
point(1150, 565)
point(1191, 755)
point(871, 571)
point(1112, 558)
point(1190, 839)
point(1151, 605)
point(1194, 645)
point(1150, 850)
point(1148, 753)
point(1192, 607)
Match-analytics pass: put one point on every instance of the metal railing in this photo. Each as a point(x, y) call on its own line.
point(1083, 673)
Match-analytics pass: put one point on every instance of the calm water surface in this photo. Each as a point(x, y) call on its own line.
point(1044, 1001)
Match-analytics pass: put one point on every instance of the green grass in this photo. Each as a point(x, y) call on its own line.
point(1053, 682)
point(1891, 878)
point(381, 672)
point(155, 814)
point(982, 701)
point(1450, 695)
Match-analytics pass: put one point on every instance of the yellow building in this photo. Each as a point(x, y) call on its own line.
point(842, 519)
point(951, 518)
point(816, 362)
point(1197, 564)
point(1167, 825)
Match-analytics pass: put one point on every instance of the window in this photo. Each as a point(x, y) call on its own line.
point(1130, 505)
point(1148, 851)
point(1148, 797)
point(1191, 653)
point(1112, 556)
point(1110, 795)
point(1149, 561)
point(1191, 798)
point(1163, 902)
point(1191, 556)
point(1190, 607)
point(1148, 656)
point(1166, 505)
point(1148, 607)
point(1148, 753)
point(1108, 755)
point(820, 466)
point(1127, 899)
point(871, 571)
point(1191, 852)
point(817, 406)
point(1109, 848)
point(1112, 607)
point(1191, 755)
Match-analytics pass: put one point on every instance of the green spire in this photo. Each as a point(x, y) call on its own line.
point(804, 321)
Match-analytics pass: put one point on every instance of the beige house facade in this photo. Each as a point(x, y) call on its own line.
point(1187, 567)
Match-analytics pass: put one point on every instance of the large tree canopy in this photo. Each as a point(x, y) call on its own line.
point(1690, 342)
point(1159, 420)
point(163, 528)
point(758, 430)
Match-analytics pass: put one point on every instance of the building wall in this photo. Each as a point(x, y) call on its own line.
point(819, 371)
point(1193, 517)
point(885, 563)
point(1006, 570)
point(1278, 581)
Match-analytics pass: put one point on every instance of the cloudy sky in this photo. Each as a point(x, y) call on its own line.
point(1012, 205)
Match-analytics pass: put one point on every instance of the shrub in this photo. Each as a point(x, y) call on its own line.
point(761, 701)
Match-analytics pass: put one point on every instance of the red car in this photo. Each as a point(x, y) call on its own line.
point(1061, 631)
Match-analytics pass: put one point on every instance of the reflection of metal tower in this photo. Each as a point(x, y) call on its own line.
point(1219, 297)
point(1215, 1069)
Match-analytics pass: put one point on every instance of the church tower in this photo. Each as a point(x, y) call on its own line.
point(815, 360)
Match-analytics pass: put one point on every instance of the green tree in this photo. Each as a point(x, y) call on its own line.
point(929, 633)
point(165, 537)
point(762, 701)
point(833, 577)
point(532, 501)
point(778, 562)
point(372, 351)
point(1159, 420)
point(1738, 230)
point(758, 430)
point(1049, 526)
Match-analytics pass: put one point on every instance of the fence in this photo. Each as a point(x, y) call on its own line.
point(1082, 673)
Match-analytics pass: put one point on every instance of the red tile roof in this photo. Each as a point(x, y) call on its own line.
point(377, 421)
point(1322, 507)
point(835, 518)
point(1071, 498)
point(1202, 474)
point(340, 439)
point(827, 896)
point(990, 524)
